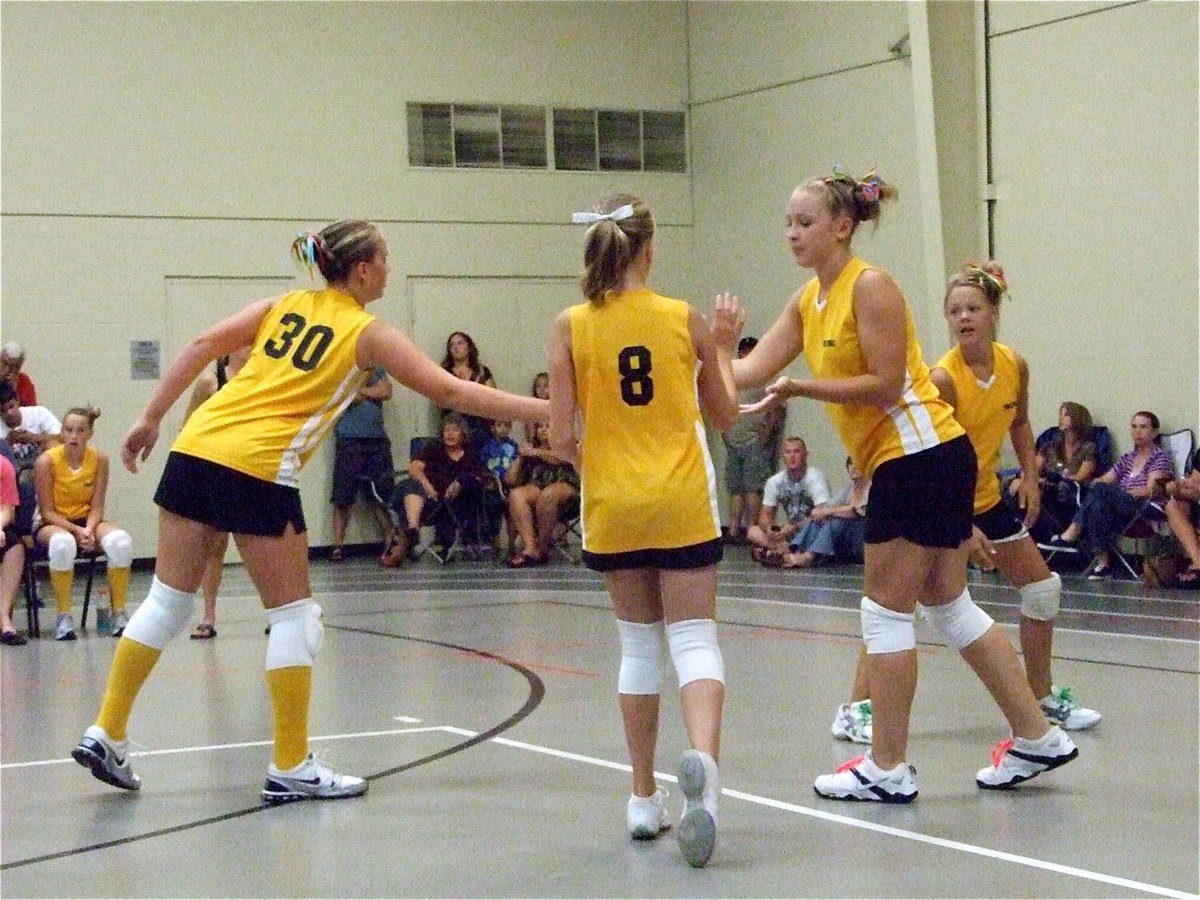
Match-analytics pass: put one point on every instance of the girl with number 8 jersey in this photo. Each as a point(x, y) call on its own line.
point(638, 368)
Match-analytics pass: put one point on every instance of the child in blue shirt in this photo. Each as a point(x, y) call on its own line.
point(498, 455)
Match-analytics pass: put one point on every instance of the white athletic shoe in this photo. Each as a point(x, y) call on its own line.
point(311, 780)
point(701, 786)
point(64, 628)
point(1062, 710)
point(646, 817)
point(1019, 759)
point(853, 722)
point(108, 759)
point(861, 779)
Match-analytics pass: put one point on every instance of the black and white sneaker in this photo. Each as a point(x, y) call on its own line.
point(1019, 759)
point(108, 759)
point(860, 779)
point(311, 780)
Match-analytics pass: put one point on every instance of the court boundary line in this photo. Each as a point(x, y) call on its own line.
point(890, 830)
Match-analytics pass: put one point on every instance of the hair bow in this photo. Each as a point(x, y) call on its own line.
point(587, 218)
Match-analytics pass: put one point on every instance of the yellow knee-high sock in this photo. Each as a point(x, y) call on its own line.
point(290, 689)
point(130, 669)
point(118, 587)
point(60, 582)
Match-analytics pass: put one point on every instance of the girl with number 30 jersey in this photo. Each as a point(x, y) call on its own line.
point(638, 368)
point(234, 469)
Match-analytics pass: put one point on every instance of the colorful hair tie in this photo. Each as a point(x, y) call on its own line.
point(307, 249)
point(617, 215)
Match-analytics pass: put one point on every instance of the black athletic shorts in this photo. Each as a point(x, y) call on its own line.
point(226, 499)
point(1000, 523)
point(926, 498)
point(694, 556)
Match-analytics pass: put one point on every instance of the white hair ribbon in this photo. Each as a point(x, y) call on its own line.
point(586, 218)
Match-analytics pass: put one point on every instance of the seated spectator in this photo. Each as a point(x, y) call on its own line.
point(1183, 515)
point(750, 448)
point(540, 388)
point(462, 361)
point(72, 483)
point(499, 454)
point(12, 551)
point(540, 484)
point(362, 461)
point(1119, 494)
point(28, 429)
point(834, 532)
point(796, 489)
point(1070, 457)
point(445, 470)
point(12, 358)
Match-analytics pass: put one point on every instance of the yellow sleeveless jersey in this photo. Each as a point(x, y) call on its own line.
point(73, 488)
point(647, 478)
point(986, 412)
point(919, 420)
point(301, 374)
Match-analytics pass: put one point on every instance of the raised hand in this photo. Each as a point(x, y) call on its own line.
point(728, 321)
point(138, 443)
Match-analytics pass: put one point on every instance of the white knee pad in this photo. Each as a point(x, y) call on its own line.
point(641, 657)
point(162, 615)
point(960, 622)
point(296, 634)
point(61, 550)
point(1040, 600)
point(694, 651)
point(885, 630)
point(118, 547)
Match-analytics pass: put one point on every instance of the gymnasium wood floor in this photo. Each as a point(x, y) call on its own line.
point(481, 705)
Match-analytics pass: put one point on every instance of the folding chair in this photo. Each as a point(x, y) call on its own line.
point(461, 523)
point(36, 563)
point(569, 517)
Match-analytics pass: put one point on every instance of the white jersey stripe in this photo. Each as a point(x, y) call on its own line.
point(315, 428)
point(913, 422)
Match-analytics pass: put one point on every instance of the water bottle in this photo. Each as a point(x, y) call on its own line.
point(103, 611)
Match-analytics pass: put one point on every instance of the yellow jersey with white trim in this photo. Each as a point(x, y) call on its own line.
point(73, 488)
point(647, 478)
point(986, 412)
point(301, 374)
point(919, 420)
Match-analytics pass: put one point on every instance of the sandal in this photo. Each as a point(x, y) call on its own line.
point(1189, 578)
point(204, 632)
point(525, 561)
point(773, 559)
point(335, 555)
point(12, 639)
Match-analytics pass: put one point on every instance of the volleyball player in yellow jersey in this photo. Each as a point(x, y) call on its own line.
point(638, 368)
point(855, 329)
point(72, 487)
point(987, 383)
point(233, 469)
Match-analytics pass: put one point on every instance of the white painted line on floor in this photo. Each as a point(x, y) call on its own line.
point(858, 823)
point(409, 719)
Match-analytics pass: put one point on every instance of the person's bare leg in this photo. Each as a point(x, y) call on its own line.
point(692, 594)
point(1021, 563)
point(521, 504)
point(635, 597)
point(10, 582)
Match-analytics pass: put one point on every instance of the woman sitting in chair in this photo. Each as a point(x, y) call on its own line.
point(1066, 462)
point(540, 484)
point(1118, 495)
point(72, 481)
point(447, 470)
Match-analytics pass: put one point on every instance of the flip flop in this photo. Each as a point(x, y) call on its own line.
point(1189, 578)
point(335, 555)
point(12, 639)
point(204, 632)
point(525, 561)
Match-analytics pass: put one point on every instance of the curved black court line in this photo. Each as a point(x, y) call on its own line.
point(537, 691)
